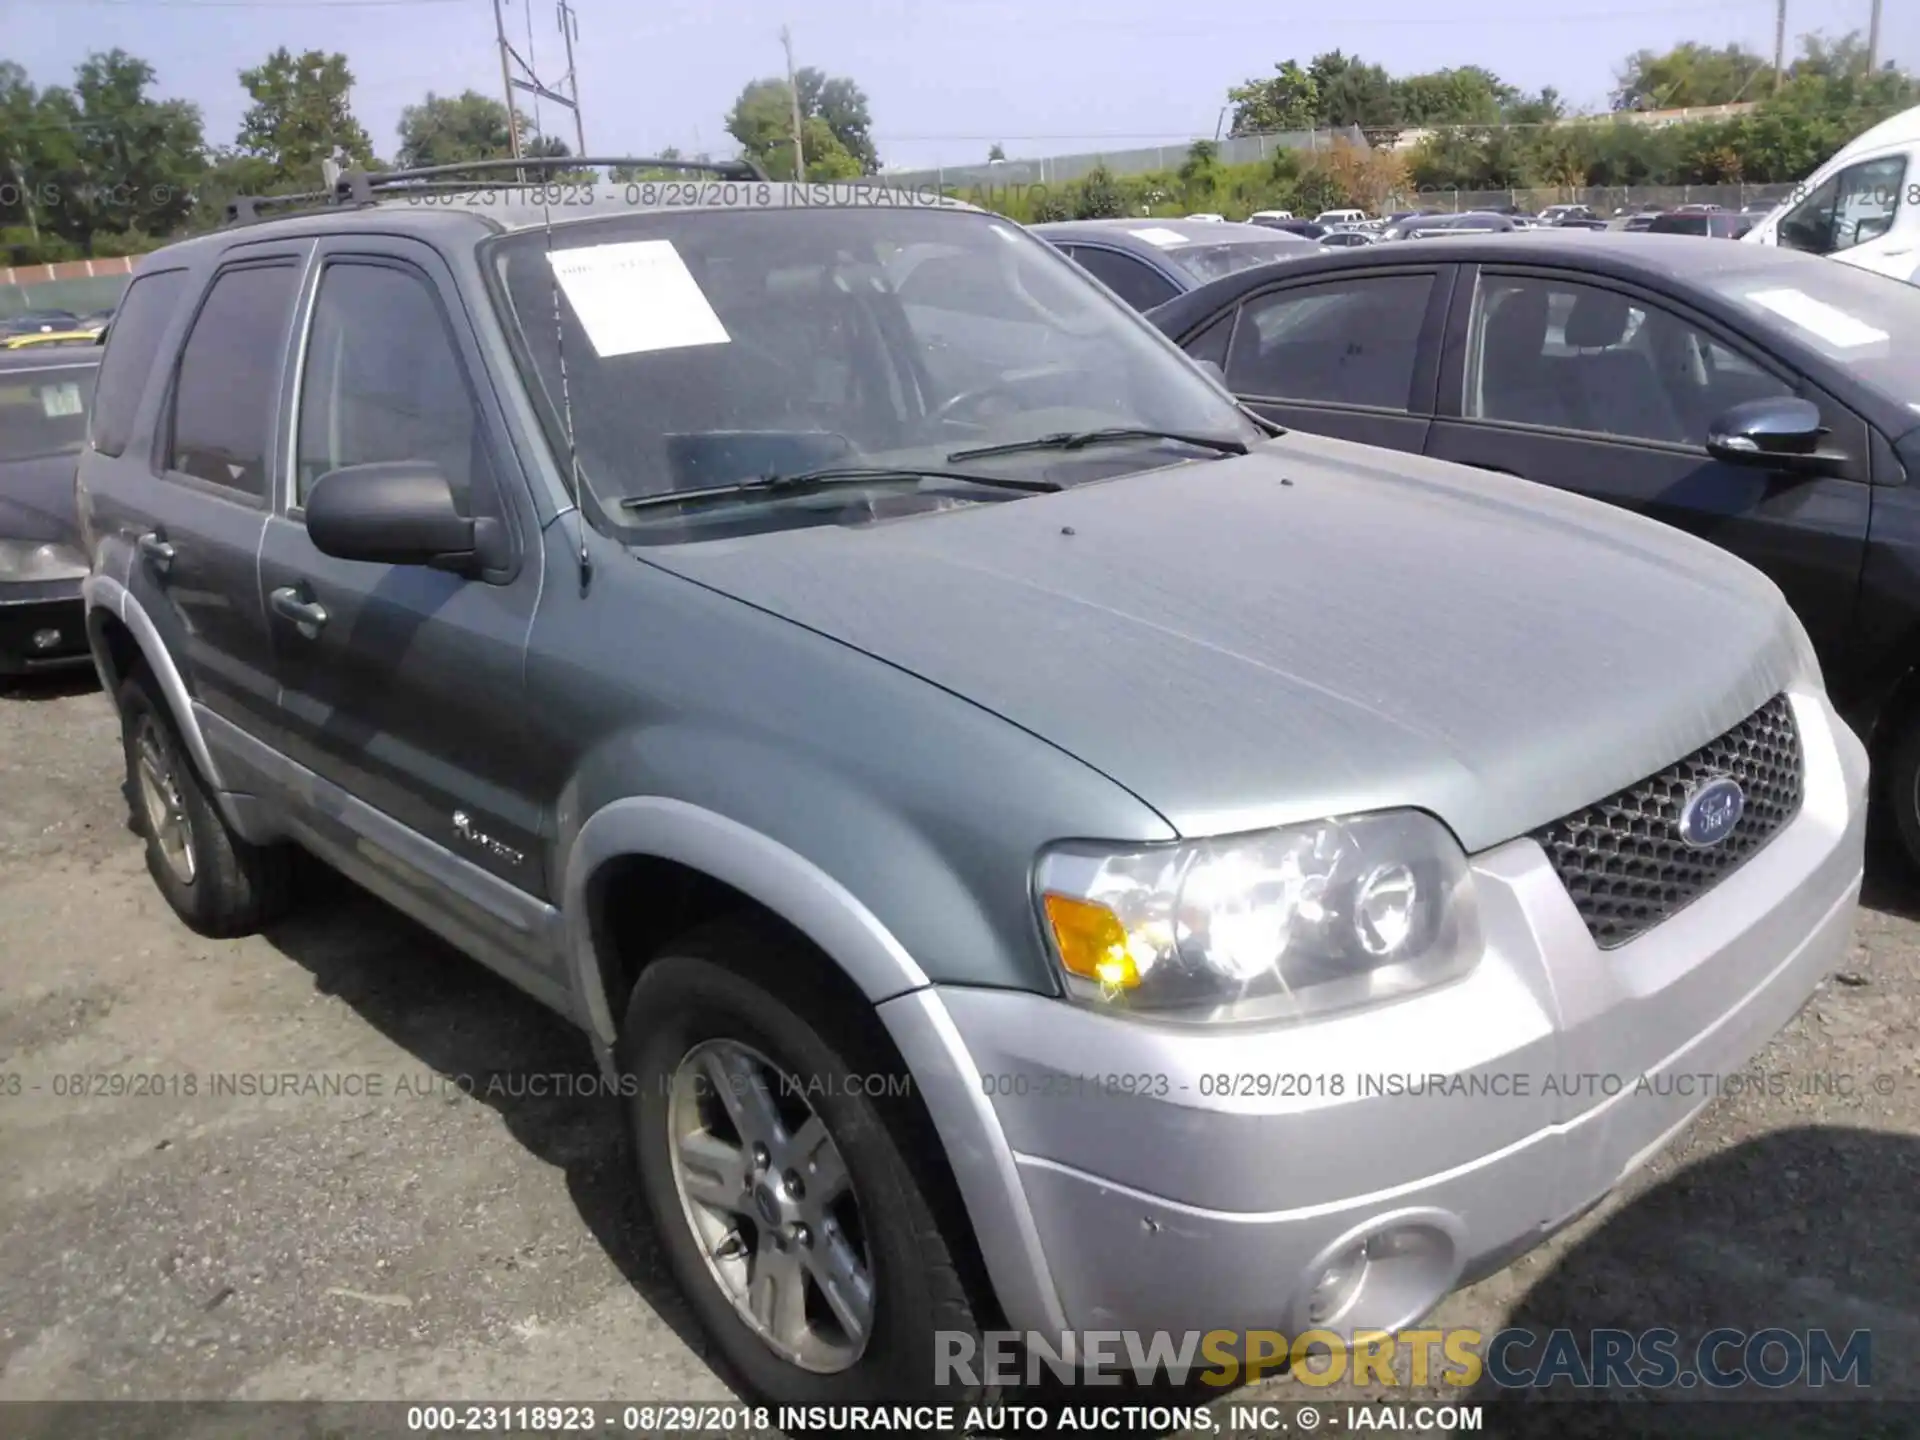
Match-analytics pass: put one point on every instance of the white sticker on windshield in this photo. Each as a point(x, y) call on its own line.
point(634, 296)
point(1159, 235)
point(60, 400)
point(1819, 319)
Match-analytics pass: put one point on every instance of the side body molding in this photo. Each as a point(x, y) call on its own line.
point(781, 879)
point(102, 592)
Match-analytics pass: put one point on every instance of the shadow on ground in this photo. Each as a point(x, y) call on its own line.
point(468, 1025)
point(1812, 1229)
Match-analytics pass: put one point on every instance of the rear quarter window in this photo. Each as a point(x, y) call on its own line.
point(133, 344)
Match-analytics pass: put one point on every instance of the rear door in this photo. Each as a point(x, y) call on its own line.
point(1603, 388)
point(194, 503)
point(1351, 355)
point(402, 685)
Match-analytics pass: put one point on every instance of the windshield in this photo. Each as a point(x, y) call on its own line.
point(708, 348)
point(1868, 322)
point(1210, 262)
point(43, 411)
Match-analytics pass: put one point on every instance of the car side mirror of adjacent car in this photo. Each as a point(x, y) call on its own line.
point(1777, 432)
point(399, 512)
point(1212, 367)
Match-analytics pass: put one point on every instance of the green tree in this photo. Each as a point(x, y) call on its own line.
point(300, 116)
point(1351, 92)
point(96, 168)
point(1690, 74)
point(444, 128)
point(1290, 100)
point(1465, 95)
point(834, 126)
point(1099, 196)
point(996, 151)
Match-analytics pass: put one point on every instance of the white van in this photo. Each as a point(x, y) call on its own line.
point(1861, 207)
point(1340, 217)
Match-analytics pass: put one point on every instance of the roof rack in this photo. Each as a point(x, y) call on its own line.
point(363, 187)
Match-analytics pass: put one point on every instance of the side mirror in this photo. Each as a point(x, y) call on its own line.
point(1780, 432)
point(1212, 367)
point(398, 512)
point(1871, 228)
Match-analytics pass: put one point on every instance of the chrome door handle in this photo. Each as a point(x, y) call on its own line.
point(307, 615)
point(158, 551)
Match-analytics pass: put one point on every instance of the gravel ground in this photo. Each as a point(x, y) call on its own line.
point(411, 1241)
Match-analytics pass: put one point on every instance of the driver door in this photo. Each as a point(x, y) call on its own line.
point(401, 686)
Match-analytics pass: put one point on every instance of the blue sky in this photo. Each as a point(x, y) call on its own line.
point(945, 78)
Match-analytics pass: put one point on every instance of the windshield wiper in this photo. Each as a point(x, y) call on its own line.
point(1080, 439)
point(808, 480)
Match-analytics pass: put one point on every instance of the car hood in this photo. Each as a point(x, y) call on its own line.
point(37, 499)
point(1316, 628)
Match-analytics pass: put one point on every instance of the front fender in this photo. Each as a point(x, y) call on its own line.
point(779, 878)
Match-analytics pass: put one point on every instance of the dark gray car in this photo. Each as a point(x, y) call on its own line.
point(990, 802)
point(44, 397)
point(1148, 262)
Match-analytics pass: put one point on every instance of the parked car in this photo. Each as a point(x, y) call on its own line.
point(1761, 400)
point(1340, 217)
point(1147, 262)
point(1206, 215)
point(1572, 222)
point(1261, 217)
point(1697, 208)
point(44, 397)
point(49, 339)
point(1641, 220)
point(1345, 238)
point(1467, 222)
point(36, 322)
point(1719, 224)
point(1554, 214)
point(887, 683)
point(1306, 229)
point(1859, 207)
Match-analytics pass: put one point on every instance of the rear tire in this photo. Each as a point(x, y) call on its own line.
point(218, 883)
point(702, 1031)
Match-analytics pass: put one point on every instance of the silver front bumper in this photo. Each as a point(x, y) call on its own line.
point(1115, 1185)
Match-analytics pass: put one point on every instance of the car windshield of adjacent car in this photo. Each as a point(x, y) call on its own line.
point(1210, 262)
point(1869, 323)
point(43, 409)
point(706, 349)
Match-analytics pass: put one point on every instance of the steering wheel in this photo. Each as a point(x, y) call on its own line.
point(1007, 384)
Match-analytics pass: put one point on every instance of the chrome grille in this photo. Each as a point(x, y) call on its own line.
point(1622, 859)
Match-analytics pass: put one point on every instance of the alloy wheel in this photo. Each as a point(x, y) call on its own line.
point(771, 1205)
point(160, 797)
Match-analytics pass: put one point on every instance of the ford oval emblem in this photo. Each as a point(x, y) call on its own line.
point(1708, 815)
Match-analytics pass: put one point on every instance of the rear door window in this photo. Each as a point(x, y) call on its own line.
point(1348, 342)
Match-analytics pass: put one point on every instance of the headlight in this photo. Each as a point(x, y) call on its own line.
point(1274, 925)
point(40, 560)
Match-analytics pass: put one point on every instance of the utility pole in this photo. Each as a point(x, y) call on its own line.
point(506, 76)
point(793, 90)
point(570, 32)
point(1780, 40)
point(1873, 38)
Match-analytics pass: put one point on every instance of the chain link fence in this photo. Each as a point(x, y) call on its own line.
point(1060, 169)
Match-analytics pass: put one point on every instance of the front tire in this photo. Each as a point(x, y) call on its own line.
point(215, 881)
point(793, 1218)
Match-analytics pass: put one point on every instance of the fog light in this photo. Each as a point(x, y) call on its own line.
point(1333, 1292)
point(45, 639)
